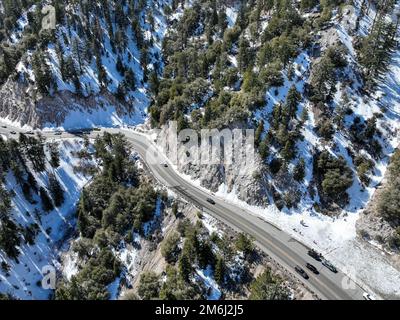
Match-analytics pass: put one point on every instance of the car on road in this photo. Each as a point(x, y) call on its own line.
point(329, 265)
point(30, 132)
point(301, 272)
point(312, 268)
point(13, 132)
point(209, 200)
point(58, 133)
point(314, 254)
point(165, 165)
point(367, 296)
point(75, 132)
point(4, 127)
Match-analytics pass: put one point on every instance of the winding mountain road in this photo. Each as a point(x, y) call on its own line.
point(284, 249)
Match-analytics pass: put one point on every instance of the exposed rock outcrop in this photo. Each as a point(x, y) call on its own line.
point(19, 102)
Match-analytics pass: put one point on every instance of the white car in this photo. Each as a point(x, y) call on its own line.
point(367, 296)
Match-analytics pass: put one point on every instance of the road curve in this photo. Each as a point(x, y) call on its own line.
point(276, 243)
point(287, 251)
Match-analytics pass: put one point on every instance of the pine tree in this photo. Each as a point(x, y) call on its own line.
point(5, 203)
point(54, 155)
point(170, 248)
point(56, 191)
point(42, 73)
point(244, 56)
point(83, 208)
point(288, 152)
point(154, 82)
point(219, 273)
point(47, 204)
point(259, 132)
point(185, 267)
point(149, 286)
point(264, 148)
point(78, 53)
point(245, 244)
point(299, 171)
point(292, 100)
point(376, 50)
point(268, 287)
point(120, 66)
point(61, 61)
point(33, 150)
point(9, 238)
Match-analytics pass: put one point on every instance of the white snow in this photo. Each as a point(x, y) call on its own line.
point(69, 266)
point(232, 14)
point(106, 116)
point(207, 277)
point(22, 279)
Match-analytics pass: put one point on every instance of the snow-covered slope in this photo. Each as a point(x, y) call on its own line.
point(23, 277)
point(335, 236)
point(96, 62)
point(332, 127)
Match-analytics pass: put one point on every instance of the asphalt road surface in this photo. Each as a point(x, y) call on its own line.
point(287, 251)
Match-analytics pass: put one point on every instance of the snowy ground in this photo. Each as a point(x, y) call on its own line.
point(23, 280)
point(207, 277)
point(106, 116)
point(335, 238)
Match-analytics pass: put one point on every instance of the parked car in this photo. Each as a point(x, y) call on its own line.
point(312, 268)
point(5, 127)
point(314, 254)
point(301, 272)
point(209, 200)
point(165, 165)
point(13, 132)
point(329, 265)
point(30, 132)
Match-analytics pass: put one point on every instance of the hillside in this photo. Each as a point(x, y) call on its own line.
point(324, 130)
point(38, 196)
point(89, 211)
point(91, 69)
point(317, 80)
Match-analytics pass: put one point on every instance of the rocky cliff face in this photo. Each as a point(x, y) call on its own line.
point(21, 104)
point(376, 224)
point(17, 103)
point(248, 182)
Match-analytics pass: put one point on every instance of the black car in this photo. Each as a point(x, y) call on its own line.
point(312, 268)
point(75, 132)
point(13, 132)
point(314, 254)
point(209, 200)
point(301, 272)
